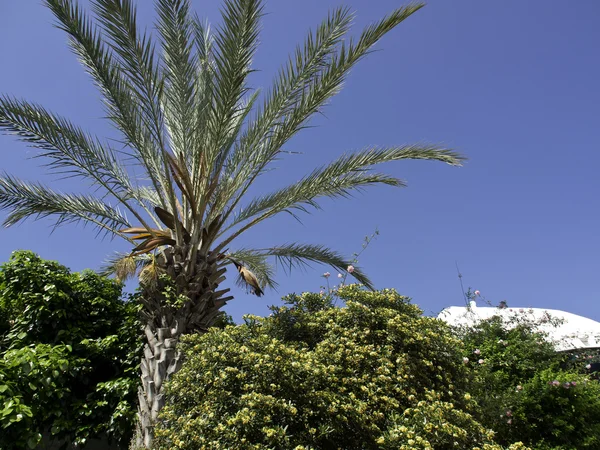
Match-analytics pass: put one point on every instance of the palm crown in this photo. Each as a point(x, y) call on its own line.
point(198, 136)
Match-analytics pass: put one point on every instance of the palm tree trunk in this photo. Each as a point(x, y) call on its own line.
point(167, 320)
point(160, 360)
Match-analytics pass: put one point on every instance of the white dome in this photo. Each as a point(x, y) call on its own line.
point(575, 332)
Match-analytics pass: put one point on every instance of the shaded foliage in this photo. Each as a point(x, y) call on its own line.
point(558, 409)
point(69, 354)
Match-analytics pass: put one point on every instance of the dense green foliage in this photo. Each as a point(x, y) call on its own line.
point(69, 352)
point(373, 374)
point(526, 391)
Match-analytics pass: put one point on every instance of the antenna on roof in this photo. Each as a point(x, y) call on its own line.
point(461, 285)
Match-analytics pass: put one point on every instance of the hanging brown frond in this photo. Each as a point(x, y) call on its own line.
point(147, 235)
point(151, 244)
point(182, 178)
point(141, 236)
point(170, 222)
point(247, 278)
point(133, 230)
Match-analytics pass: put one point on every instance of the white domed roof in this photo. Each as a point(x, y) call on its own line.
point(573, 331)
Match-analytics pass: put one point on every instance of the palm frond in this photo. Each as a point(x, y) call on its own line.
point(305, 193)
point(143, 69)
point(324, 86)
point(236, 41)
point(243, 110)
point(203, 40)
point(294, 78)
point(244, 164)
point(148, 195)
point(292, 256)
point(71, 151)
point(205, 70)
point(124, 265)
point(338, 179)
point(179, 67)
point(223, 73)
point(289, 87)
point(123, 109)
point(319, 88)
point(136, 54)
point(219, 192)
point(258, 264)
point(204, 88)
point(25, 200)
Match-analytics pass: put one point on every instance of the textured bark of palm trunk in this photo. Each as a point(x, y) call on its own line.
point(161, 359)
point(166, 323)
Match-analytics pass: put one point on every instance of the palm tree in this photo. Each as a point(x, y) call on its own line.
point(195, 137)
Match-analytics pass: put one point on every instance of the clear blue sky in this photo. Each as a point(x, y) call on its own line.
point(513, 85)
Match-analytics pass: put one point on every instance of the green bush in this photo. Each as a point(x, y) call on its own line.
point(520, 385)
point(373, 374)
point(501, 357)
point(557, 409)
point(69, 352)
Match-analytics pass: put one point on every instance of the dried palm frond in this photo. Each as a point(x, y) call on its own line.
point(150, 273)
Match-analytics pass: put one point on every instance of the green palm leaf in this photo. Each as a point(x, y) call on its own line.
point(236, 42)
point(286, 91)
point(106, 71)
point(204, 90)
point(179, 65)
point(137, 56)
point(71, 151)
point(338, 179)
point(294, 256)
point(32, 199)
point(320, 89)
point(350, 172)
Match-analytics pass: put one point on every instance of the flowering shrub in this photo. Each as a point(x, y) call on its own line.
point(373, 374)
point(584, 361)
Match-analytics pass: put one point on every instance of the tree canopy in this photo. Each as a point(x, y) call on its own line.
point(195, 135)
